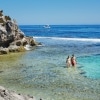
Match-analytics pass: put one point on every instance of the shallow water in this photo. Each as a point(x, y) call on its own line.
point(42, 72)
point(91, 65)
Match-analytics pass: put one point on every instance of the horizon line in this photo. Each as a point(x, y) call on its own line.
point(59, 24)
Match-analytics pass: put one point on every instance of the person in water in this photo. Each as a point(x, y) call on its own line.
point(73, 60)
point(68, 61)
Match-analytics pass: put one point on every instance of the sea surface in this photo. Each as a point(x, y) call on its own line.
point(64, 40)
point(42, 71)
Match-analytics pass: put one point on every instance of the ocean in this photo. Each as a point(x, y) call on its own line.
point(42, 72)
point(81, 40)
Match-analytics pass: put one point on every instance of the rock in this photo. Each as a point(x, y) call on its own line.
point(16, 48)
point(2, 29)
point(11, 35)
point(1, 11)
point(11, 95)
point(4, 50)
point(18, 43)
point(1, 20)
point(2, 88)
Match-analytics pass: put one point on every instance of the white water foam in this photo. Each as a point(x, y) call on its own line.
point(73, 39)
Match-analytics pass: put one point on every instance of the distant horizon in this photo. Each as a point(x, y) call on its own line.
point(53, 12)
point(60, 24)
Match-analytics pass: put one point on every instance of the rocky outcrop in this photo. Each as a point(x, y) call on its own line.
point(12, 95)
point(12, 36)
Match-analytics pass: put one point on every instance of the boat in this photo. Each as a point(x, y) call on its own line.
point(46, 26)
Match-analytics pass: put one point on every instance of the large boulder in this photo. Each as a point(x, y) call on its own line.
point(11, 35)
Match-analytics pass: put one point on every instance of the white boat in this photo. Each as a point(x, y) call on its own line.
point(46, 26)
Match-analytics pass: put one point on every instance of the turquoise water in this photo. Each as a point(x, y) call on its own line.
point(91, 66)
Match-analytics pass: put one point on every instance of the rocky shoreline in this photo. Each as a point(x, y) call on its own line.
point(12, 39)
point(12, 95)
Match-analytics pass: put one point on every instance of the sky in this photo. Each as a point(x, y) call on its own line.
point(53, 12)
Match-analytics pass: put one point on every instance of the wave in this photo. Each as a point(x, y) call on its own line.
point(72, 39)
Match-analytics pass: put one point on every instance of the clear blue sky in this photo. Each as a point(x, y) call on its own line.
point(52, 11)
